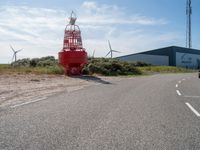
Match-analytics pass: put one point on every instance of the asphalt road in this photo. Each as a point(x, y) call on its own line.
point(158, 112)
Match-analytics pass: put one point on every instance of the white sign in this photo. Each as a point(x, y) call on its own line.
point(187, 60)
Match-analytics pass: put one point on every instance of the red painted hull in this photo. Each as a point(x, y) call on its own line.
point(73, 61)
point(73, 56)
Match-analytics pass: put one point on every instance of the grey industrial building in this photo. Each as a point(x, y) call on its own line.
point(168, 56)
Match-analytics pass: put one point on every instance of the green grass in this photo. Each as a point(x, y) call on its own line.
point(165, 69)
point(107, 68)
point(8, 69)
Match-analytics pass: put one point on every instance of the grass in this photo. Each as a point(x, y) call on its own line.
point(165, 69)
point(8, 69)
point(105, 67)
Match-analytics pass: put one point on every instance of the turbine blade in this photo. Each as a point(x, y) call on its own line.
point(109, 45)
point(116, 51)
point(108, 53)
point(12, 48)
point(19, 50)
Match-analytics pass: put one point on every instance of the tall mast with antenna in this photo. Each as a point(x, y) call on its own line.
point(189, 24)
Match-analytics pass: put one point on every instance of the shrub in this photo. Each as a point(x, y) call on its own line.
point(22, 62)
point(36, 62)
point(111, 67)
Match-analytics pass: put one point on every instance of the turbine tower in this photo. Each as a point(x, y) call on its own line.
point(189, 24)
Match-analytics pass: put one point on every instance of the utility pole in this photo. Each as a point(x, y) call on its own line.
point(189, 24)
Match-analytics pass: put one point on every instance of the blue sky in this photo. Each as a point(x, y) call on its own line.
point(131, 25)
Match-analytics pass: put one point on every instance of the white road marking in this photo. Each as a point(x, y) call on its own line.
point(178, 92)
point(179, 81)
point(193, 110)
point(176, 85)
point(183, 79)
point(191, 96)
point(26, 103)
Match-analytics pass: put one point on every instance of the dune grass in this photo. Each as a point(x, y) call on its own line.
point(8, 69)
point(165, 69)
point(100, 66)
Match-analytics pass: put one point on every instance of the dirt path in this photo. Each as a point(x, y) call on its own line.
point(16, 89)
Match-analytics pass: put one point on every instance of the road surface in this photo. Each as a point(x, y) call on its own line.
point(159, 112)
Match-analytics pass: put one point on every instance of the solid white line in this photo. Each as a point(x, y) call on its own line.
point(193, 110)
point(178, 92)
point(26, 103)
point(176, 85)
point(191, 96)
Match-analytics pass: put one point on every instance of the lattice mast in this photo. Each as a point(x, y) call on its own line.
point(72, 38)
point(189, 24)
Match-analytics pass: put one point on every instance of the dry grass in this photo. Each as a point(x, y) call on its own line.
point(8, 69)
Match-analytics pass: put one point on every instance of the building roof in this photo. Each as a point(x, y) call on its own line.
point(167, 51)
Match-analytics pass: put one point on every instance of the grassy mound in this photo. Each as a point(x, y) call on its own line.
point(112, 67)
point(36, 62)
point(44, 65)
point(8, 69)
point(100, 66)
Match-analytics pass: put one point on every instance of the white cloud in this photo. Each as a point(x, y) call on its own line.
point(96, 14)
point(39, 31)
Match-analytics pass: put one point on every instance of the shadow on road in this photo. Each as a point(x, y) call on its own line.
point(92, 78)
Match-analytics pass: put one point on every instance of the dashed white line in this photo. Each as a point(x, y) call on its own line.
point(179, 81)
point(176, 85)
point(193, 110)
point(183, 79)
point(178, 92)
point(26, 103)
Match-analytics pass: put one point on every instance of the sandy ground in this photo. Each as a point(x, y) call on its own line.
point(17, 89)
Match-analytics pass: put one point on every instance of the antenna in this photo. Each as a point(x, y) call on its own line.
point(111, 50)
point(14, 53)
point(189, 24)
point(72, 18)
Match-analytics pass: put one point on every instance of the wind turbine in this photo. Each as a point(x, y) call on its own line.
point(111, 50)
point(15, 53)
point(93, 54)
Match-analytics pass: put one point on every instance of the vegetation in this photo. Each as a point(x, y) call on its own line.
point(8, 69)
point(36, 62)
point(165, 69)
point(44, 65)
point(100, 66)
point(112, 67)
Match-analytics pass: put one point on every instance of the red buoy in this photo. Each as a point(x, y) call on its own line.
point(73, 56)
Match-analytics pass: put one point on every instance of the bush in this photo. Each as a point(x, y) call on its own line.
point(22, 62)
point(36, 62)
point(111, 67)
point(101, 66)
point(85, 71)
